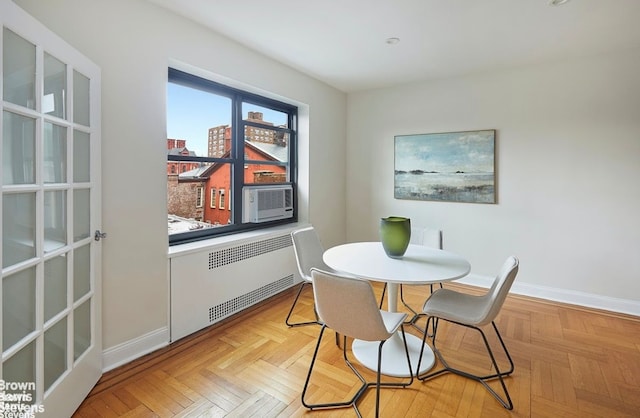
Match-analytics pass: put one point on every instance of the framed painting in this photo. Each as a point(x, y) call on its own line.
point(451, 167)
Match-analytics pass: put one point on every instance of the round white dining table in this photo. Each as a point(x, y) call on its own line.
point(419, 265)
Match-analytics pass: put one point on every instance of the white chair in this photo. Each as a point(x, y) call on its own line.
point(348, 306)
point(473, 311)
point(420, 236)
point(308, 250)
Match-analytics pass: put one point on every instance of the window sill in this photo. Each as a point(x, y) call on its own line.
point(232, 240)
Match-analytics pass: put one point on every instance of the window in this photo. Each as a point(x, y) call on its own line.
point(223, 139)
point(221, 203)
point(199, 196)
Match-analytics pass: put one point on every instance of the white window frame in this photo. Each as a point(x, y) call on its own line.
point(221, 199)
point(200, 196)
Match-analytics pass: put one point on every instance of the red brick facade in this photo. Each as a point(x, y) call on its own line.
point(219, 182)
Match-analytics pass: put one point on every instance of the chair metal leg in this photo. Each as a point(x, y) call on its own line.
point(416, 315)
point(351, 401)
point(506, 401)
point(364, 384)
point(384, 290)
point(295, 301)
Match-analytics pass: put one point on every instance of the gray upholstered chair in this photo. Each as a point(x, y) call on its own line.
point(349, 307)
point(473, 311)
point(308, 250)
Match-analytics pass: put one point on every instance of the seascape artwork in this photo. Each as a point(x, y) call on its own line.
point(452, 167)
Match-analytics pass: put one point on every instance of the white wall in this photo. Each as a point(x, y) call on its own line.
point(133, 42)
point(568, 163)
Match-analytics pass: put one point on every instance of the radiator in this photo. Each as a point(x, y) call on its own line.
point(214, 283)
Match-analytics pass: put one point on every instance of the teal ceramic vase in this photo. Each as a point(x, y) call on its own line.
point(395, 233)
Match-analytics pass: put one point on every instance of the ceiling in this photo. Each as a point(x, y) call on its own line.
point(344, 42)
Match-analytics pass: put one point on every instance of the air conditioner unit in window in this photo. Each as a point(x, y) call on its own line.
point(267, 203)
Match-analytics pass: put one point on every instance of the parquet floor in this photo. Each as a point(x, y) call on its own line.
point(569, 362)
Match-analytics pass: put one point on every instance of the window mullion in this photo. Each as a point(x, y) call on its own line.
point(293, 153)
point(237, 154)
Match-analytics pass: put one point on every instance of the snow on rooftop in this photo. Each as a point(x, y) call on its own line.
point(178, 224)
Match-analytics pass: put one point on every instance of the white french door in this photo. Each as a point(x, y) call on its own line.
point(50, 293)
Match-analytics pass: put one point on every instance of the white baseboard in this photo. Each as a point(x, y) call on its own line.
point(626, 306)
point(130, 350)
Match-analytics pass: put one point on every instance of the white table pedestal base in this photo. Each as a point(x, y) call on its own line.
point(394, 359)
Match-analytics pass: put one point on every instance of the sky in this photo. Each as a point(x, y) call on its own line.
point(191, 112)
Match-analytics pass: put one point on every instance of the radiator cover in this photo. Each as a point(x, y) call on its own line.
point(214, 283)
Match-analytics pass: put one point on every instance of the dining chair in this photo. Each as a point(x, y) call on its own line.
point(308, 251)
point(428, 237)
point(349, 306)
point(473, 311)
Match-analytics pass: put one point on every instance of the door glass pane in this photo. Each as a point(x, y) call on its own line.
point(18, 149)
point(80, 99)
point(18, 227)
point(55, 87)
point(55, 220)
point(55, 352)
point(54, 168)
point(21, 368)
point(81, 149)
point(19, 70)
point(80, 214)
point(81, 329)
point(81, 272)
point(55, 286)
point(18, 306)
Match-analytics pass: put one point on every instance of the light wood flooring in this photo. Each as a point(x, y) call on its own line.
point(569, 362)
